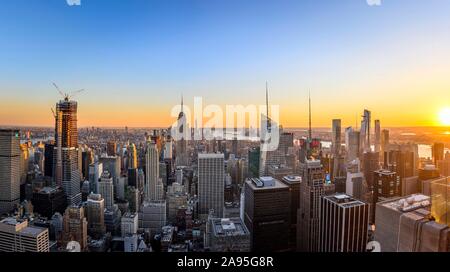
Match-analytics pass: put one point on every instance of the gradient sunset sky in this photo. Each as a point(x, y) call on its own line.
point(136, 57)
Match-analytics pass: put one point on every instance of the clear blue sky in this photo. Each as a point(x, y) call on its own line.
point(144, 53)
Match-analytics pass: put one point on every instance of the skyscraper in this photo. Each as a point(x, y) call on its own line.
point(95, 172)
point(336, 149)
point(153, 183)
point(75, 226)
point(312, 188)
point(132, 156)
point(95, 209)
point(336, 137)
point(106, 189)
point(66, 168)
point(365, 132)
point(437, 152)
point(377, 136)
point(49, 149)
point(9, 169)
point(111, 148)
point(181, 132)
point(211, 180)
point(384, 141)
point(352, 143)
point(344, 224)
point(267, 214)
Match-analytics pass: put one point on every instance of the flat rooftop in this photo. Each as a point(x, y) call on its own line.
point(229, 227)
point(265, 183)
point(292, 179)
point(344, 200)
point(211, 156)
point(407, 203)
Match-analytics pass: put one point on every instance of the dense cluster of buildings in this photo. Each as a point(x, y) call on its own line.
point(106, 190)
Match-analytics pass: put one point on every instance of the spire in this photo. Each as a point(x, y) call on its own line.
point(269, 126)
point(267, 100)
point(309, 129)
point(181, 102)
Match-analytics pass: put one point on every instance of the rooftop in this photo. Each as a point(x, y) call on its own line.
point(229, 227)
point(211, 156)
point(408, 203)
point(292, 179)
point(265, 183)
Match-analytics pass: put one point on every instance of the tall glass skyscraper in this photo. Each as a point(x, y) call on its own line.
point(9, 169)
point(67, 174)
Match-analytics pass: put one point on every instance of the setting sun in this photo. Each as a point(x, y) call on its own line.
point(444, 116)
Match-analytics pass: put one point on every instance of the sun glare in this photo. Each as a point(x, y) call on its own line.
point(444, 117)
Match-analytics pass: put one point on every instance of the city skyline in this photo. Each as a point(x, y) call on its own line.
point(136, 58)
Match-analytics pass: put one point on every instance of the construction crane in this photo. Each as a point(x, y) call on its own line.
point(67, 96)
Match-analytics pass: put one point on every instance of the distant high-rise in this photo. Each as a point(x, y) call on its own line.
point(66, 168)
point(95, 171)
point(106, 189)
point(336, 148)
point(211, 180)
point(365, 132)
point(370, 163)
point(49, 149)
point(377, 136)
point(352, 143)
point(87, 158)
point(354, 185)
point(438, 152)
point(181, 139)
point(253, 162)
point(111, 148)
point(344, 224)
point(153, 183)
point(384, 141)
point(336, 137)
point(132, 156)
point(9, 169)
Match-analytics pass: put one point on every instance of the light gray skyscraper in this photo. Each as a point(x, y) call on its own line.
point(377, 136)
point(352, 143)
point(336, 146)
point(9, 169)
point(211, 178)
point(95, 171)
point(106, 189)
point(153, 183)
point(365, 132)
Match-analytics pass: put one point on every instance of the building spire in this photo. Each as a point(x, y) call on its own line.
point(267, 100)
point(269, 125)
point(181, 102)
point(309, 128)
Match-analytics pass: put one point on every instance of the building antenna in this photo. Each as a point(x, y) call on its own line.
point(267, 99)
point(309, 129)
